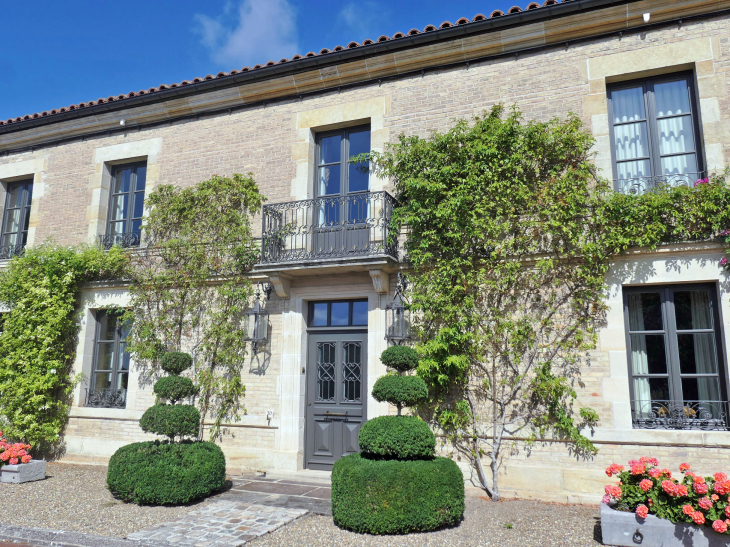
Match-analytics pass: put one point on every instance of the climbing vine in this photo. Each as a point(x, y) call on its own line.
point(37, 346)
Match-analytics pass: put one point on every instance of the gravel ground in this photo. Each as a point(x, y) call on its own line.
point(75, 498)
point(534, 524)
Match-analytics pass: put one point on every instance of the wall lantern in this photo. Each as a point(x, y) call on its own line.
point(398, 314)
point(256, 319)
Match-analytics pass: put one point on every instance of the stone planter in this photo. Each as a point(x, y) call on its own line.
point(34, 470)
point(627, 530)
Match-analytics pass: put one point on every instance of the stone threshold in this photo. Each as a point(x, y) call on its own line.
point(42, 537)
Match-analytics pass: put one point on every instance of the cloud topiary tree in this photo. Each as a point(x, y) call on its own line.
point(168, 472)
point(397, 485)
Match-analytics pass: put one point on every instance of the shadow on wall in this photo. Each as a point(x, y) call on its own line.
point(261, 357)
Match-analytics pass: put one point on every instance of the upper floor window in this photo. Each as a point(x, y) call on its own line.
point(126, 206)
point(675, 361)
point(654, 133)
point(16, 218)
point(110, 374)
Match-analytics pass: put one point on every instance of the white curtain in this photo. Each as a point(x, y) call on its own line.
point(639, 360)
point(704, 350)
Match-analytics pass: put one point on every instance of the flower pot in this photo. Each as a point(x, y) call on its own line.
point(34, 470)
point(627, 530)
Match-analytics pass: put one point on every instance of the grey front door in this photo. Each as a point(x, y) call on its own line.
point(336, 395)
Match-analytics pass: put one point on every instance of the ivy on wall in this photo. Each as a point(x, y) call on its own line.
point(38, 342)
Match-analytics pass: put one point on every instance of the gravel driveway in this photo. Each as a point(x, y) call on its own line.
point(75, 498)
point(534, 524)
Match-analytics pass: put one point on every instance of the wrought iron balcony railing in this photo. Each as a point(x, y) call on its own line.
point(9, 251)
point(639, 185)
point(331, 227)
point(656, 414)
point(106, 398)
point(127, 239)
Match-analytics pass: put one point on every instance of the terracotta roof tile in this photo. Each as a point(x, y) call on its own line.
point(323, 51)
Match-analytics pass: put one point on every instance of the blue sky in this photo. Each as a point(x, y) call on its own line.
point(54, 53)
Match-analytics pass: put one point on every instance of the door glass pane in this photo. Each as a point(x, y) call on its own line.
point(137, 230)
point(692, 309)
point(122, 380)
point(138, 205)
point(117, 227)
point(329, 180)
point(141, 178)
point(319, 315)
point(340, 313)
point(15, 194)
point(648, 354)
point(325, 371)
point(645, 311)
point(12, 220)
point(26, 218)
point(632, 141)
point(10, 240)
point(105, 355)
point(29, 194)
point(357, 208)
point(107, 326)
point(675, 135)
point(697, 353)
point(700, 389)
point(672, 98)
point(103, 380)
point(329, 212)
point(628, 104)
point(651, 389)
point(330, 149)
point(358, 173)
point(359, 313)
point(122, 179)
point(633, 169)
point(351, 371)
point(119, 207)
point(677, 165)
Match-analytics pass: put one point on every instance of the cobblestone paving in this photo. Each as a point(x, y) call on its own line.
point(220, 523)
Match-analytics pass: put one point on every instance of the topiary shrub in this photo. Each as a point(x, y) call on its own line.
point(400, 358)
point(166, 473)
point(396, 497)
point(174, 388)
point(402, 437)
point(400, 390)
point(171, 420)
point(175, 362)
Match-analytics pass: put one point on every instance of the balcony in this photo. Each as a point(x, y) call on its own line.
point(329, 228)
point(125, 240)
point(640, 185)
point(702, 415)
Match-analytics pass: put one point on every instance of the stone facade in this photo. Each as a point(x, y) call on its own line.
point(562, 66)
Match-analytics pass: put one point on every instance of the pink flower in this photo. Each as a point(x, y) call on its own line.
point(638, 469)
point(669, 487)
point(698, 518)
point(642, 511)
point(702, 181)
point(681, 490)
point(606, 499)
point(723, 261)
point(614, 469)
point(705, 503)
point(688, 510)
point(683, 467)
point(701, 488)
point(714, 497)
point(13, 461)
point(719, 526)
point(646, 485)
point(654, 473)
point(719, 477)
point(727, 511)
point(613, 491)
point(25, 459)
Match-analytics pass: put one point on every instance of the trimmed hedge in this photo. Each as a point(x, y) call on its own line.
point(394, 496)
point(403, 437)
point(164, 473)
point(401, 358)
point(174, 388)
point(403, 390)
point(171, 420)
point(175, 362)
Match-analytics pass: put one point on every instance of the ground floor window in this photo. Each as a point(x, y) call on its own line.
point(676, 367)
point(110, 374)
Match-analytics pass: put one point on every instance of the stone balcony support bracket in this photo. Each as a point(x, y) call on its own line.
point(381, 281)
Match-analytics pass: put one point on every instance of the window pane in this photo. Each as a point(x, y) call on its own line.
point(631, 141)
point(107, 326)
point(650, 389)
point(675, 135)
point(138, 205)
point(12, 220)
point(329, 149)
point(29, 195)
point(700, 389)
point(103, 380)
point(122, 380)
point(357, 208)
point(359, 172)
point(121, 180)
point(628, 104)
point(104, 358)
point(116, 227)
point(329, 180)
point(141, 178)
point(319, 318)
point(137, 229)
point(359, 313)
point(648, 355)
point(26, 219)
point(16, 195)
point(672, 98)
point(645, 311)
point(677, 165)
point(692, 310)
point(326, 371)
point(340, 313)
point(634, 169)
point(10, 240)
point(329, 213)
point(119, 207)
point(351, 371)
point(123, 358)
point(697, 353)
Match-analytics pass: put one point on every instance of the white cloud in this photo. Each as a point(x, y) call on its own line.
point(249, 33)
point(362, 17)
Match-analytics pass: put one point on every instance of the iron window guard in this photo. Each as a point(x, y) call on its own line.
point(329, 227)
point(9, 251)
point(125, 240)
point(639, 185)
point(106, 398)
point(666, 414)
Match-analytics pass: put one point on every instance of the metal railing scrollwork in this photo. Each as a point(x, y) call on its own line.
point(128, 239)
point(9, 251)
point(106, 398)
point(639, 185)
point(702, 415)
